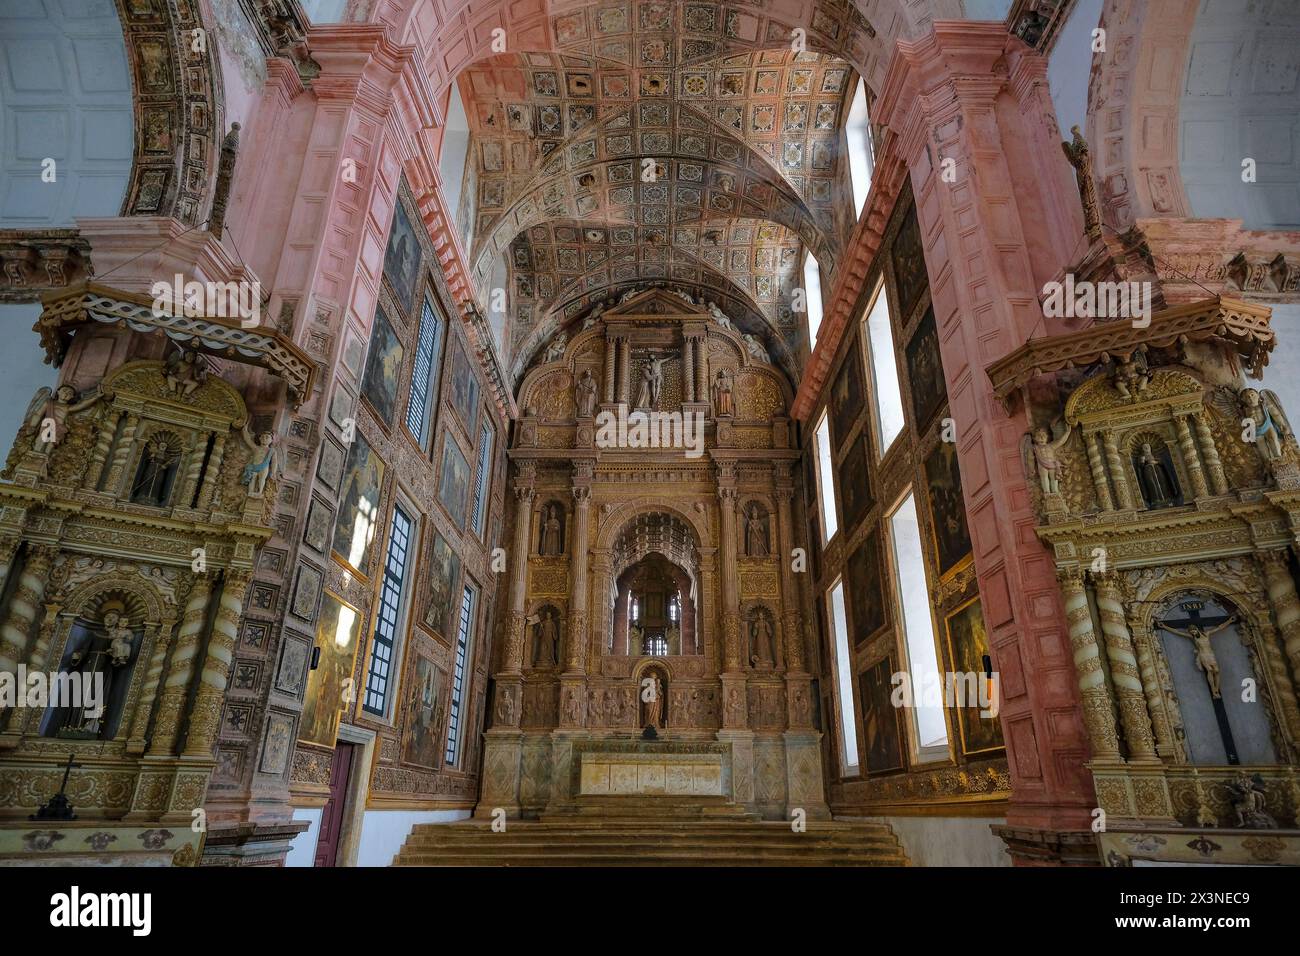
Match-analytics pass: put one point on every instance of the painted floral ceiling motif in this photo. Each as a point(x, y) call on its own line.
point(656, 149)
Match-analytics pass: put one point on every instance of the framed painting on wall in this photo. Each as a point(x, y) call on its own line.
point(882, 731)
point(358, 516)
point(846, 396)
point(463, 386)
point(402, 258)
point(383, 368)
point(453, 481)
point(855, 482)
point(968, 651)
point(866, 597)
point(925, 372)
point(444, 576)
point(424, 712)
point(950, 537)
point(338, 629)
point(908, 259)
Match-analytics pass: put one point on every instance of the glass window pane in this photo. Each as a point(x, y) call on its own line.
point(812, 287)
point(388, 614)
point(460, 675)
point(884, 372)
point(848, 735)
point(862, 161)
point(918, 623)
point(826, 480)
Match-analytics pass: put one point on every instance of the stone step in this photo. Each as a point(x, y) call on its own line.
point(636, 842)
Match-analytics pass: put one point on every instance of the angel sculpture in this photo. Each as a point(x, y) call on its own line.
point(265, 460)
point(185, 372)
point(756, 349)
point(47, 415)
point(1047, 459)
point(1130, 380)
point(555, 350)
point(1264, 413)
point(720, 317)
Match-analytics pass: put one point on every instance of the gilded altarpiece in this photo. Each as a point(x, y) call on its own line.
point(1167, 487)
point(652, 649)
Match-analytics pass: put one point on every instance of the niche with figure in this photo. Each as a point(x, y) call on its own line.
point(545, 632)
point(652, 692)
point(1157, 478)
point(756, 528)
point(760, 633)
point(155, 476)
point(98, 661)
point(550, 530)
point(654, 612)
point(1208, 662)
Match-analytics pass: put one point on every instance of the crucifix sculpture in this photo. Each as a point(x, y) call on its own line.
point(1199, 630)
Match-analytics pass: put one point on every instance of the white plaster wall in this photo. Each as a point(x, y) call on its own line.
point(1241, 99)
point(948, 841)
point(303, 851)
point(1070, 64)
point(22, 367)
point(1283, 372)
point(384, 831)
point(65, 94)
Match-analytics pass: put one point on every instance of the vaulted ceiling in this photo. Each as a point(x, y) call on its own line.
point(650, 150)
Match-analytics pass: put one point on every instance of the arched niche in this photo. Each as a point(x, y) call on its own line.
point(654, 610)
point(551, 525)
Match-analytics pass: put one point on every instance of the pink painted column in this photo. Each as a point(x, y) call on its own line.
point(951, 95)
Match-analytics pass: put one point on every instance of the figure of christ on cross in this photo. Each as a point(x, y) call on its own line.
point(1199, 630)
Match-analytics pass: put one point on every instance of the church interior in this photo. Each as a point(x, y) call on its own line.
point(622, 432)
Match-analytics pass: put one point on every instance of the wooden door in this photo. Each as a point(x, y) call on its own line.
point(331, 820)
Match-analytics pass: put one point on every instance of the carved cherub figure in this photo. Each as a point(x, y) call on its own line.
point(555, 349)
point(1130, 380)
point(1262, 411)
point(185, 372)
point(264, 464)
point(47, 415)
point(1249, 802)
point(1047, 459)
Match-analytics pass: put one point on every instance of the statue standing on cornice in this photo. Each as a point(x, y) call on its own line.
point(1268, 425)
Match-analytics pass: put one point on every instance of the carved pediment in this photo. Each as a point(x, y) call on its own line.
point(656, 302)
point(1098, 396)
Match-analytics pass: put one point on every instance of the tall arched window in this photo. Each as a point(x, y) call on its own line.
point(812, 287)
point(862, 151)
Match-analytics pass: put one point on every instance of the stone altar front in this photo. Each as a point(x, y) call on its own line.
point(651, 774)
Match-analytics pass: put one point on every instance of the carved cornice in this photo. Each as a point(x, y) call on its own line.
point(35, 261)
point(88, 302)
point(1242, 325)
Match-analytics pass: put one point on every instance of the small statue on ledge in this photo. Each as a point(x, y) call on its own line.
point(185, 372)
point(585, 394)
point(1248, 802)
point(1047, 459)
point(1130, 380)
point(1080, 157)
point(48, 413)
point(265, 460)
point(1262, 415)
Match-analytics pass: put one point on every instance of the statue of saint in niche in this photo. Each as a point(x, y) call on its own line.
point(652, 381)
point(546, 639)
point(552, 542)
point(98, 661)
point(760, 641)
point(652, 697)
point(584, 394)
point(723, 403)
point(756, 541)
point(1159, 489)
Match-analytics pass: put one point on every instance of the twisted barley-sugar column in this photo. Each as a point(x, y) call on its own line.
point(1098, 720)
point(107, 429)
point(702, 383)
point(730, 595)
point(8, 549)
point(611, 350)
point(1099, 479)
point(1199, 488)
point(180, 671)
point(206, 711)
point(1123, 497)
point(149, 692)
point(24, 604)
point(209, 487)
point(30, 723)
point(792, 619)
point(1124, 673)
point(512, 662)
point(1210, 454)
point(1150, 677)
point(1286, 604)
point(579, 586)
point(189, 483)
point(120, 455)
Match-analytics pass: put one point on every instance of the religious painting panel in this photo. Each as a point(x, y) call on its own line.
point(383, 368)
point(866, 598)
point(463, 386)
point(846, 396)
point(424, 713)
point(453, 481)
point(855, 483)
point(338, 630)
point(968, 652)
point(925, 372)
point(402, 258)
point(358, 516)
point(950, 538)
point(443, 585)
point(908, 259)
point(881, 720)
